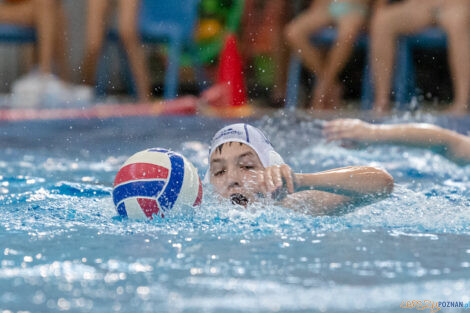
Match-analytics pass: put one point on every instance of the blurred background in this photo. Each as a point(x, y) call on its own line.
point(272, 74)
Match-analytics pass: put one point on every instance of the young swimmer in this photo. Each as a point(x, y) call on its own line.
point(244, 167)
point(455, 146)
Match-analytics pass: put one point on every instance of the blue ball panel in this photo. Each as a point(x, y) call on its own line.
point(121, 209)
point(150, 189)
point(175, 182)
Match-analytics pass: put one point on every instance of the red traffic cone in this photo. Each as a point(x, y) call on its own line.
point(231, 71)
point(227, 98)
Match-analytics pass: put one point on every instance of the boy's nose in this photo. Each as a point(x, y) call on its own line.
point(233, 178)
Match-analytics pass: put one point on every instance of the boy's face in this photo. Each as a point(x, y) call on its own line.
point(234, 172)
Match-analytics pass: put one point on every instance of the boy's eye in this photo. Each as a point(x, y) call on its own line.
point(218, 173)
point(248, 167)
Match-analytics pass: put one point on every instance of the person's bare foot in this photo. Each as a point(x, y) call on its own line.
point(457, 110)
point(320, 97)
point(318, 102)
point(335, 96)
point(380, 109)
point(327, 96)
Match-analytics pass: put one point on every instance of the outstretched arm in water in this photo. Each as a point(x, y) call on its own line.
point(457, 146)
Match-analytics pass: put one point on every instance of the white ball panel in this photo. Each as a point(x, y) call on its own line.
point(156, 158)
point(190, 187)
point(133, 209)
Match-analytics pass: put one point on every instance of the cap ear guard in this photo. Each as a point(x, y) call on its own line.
point(275, 158)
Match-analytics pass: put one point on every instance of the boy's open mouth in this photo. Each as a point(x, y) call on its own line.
point(238, 198)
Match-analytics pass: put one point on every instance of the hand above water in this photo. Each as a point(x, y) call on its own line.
point(348, 129)
point(272, 178)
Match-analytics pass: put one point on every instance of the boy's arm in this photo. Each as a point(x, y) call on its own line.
point(423, 134)
point(326, 192)
point(426, 135)
point(332, 191)
point(457, 146)
point(354, 182)
point(418, 134)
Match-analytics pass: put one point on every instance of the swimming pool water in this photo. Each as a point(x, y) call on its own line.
point(63, 249)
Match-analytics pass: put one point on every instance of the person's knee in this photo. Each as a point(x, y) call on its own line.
point(294, 35)
point(456, 22)
point(289, 33)
point(348, 32)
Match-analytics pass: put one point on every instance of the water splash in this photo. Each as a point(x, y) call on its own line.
point(63, 247)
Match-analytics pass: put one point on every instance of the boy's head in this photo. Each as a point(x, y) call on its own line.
point(238, 153)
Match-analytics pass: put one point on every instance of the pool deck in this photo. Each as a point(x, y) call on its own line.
point(189, 105)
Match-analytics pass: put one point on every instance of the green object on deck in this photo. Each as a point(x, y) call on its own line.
point(264, 70)
point(229, 13)
point(209, 6)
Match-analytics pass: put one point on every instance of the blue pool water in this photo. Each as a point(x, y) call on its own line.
point(63, 250)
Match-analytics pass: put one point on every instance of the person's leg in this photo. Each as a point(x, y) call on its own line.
point(249, 21)
point(298, 34)
point(97, 15)
point(46, 16)
point(46, 24)
point(280, 51)
point(18, 13)
point(454, 17)
point(128, 24)
point(21, 14)
point(349, 28)
point(388, 23)
point(60, 52)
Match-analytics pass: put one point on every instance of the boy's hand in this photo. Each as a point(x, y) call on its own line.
point(348, 129)
point(272, 178)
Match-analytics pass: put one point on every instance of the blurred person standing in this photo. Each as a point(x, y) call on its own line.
point(47, 17)
point(350, 17)
point(409, 17)
point(98, 12)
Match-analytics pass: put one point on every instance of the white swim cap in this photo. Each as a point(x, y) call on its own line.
point(250, 136)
